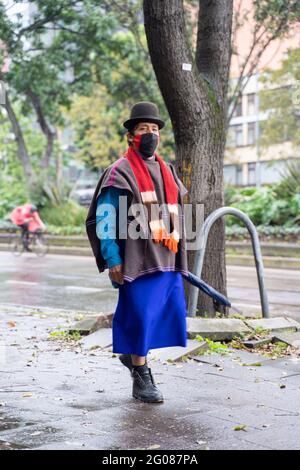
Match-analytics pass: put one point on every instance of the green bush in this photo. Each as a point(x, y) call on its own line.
point(66, 214)
point(265, 206)
point(269, 232)
point(12, 194)
point(66, 230)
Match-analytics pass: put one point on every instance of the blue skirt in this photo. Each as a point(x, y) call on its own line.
point(150, 314)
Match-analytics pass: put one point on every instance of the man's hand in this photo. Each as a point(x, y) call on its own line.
point(116, 273)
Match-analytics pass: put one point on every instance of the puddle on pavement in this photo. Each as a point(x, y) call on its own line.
point(26, 438)
point(91, 407)
point(5, 445)
point(7, 423)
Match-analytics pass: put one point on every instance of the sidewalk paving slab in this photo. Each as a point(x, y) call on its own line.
point(174, 354)
point(216, 329)
point(236, 355)
point(91, 324)
point(274, 324)
point(101, 338)
point(257, 343)
point(292, 339)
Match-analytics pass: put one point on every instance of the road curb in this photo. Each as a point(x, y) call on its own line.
point(234, 260)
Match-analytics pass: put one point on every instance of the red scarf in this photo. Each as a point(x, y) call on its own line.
point(158, 230)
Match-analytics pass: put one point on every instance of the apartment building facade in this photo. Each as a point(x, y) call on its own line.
point(246, 163)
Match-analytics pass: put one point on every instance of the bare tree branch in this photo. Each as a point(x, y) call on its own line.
point(48, 19)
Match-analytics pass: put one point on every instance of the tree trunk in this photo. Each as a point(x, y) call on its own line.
point(46, 129)
point(22, 150)
point(196, 102)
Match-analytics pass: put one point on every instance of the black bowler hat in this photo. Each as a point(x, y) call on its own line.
point(144, 111)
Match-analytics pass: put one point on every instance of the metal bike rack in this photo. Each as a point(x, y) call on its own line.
point(199, 258)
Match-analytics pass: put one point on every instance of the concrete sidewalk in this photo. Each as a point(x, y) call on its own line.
point(55, 395)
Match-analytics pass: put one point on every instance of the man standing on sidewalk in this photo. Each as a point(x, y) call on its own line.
point(151, 309)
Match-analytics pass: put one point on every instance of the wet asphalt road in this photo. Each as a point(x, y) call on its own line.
point(66, 282)
point(73, 283)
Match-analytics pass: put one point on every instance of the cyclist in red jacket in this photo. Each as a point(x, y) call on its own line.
point(27, 218)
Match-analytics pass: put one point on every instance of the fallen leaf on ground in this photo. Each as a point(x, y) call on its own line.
point(241, 427)
point(11, 324)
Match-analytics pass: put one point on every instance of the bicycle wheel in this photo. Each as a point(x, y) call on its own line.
point(39, 244)
point(17, 247)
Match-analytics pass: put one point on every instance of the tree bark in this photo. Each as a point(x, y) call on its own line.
point(19, 138)
point(46, 129)
point(196, 102)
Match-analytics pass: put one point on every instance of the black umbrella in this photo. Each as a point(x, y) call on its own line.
point(196, 281)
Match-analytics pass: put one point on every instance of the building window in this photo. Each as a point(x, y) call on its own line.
point(251, 104)
point(239, 175)
point(230, 137)
point(251, 173)
point(229, 172)
point(238, 111)
point(251, 133)
point(235, 136)
point(238, 135)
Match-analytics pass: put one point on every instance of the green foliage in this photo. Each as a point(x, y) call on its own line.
point(125, 78)
point(289, 186)
point(279, 349)
point(261, 205)
point(12, 193)
point(213, 346)
point(66, 214)
point(66, 230)
point(51, 192)
point(97, 122)
point(99, 43)
point(10, 165)
point(199, 338)
point(65, 335)
point(278, 204)
point(259, 331)
point(237, 232)
point(99, 133)
point(216, 347)
point(273, 13)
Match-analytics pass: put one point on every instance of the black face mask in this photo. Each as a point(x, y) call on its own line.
point(146, 143)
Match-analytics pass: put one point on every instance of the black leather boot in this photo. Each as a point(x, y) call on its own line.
point(144, 388)
point(127, 361)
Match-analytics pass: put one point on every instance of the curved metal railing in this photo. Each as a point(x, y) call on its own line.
point(199, 258)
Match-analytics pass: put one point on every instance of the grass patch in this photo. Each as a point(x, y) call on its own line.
point(65, 335)
point(213, 347)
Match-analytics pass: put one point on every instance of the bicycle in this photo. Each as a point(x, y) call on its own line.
point(37, 244)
